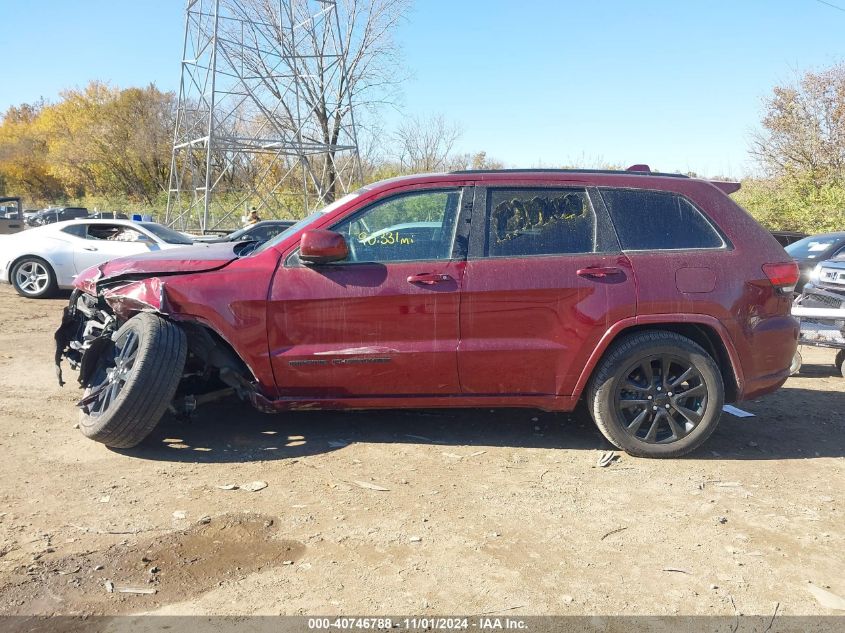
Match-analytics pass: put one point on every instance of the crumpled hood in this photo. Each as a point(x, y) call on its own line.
point(173, 261)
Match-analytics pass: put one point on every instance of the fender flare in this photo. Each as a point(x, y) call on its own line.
point(621, 327)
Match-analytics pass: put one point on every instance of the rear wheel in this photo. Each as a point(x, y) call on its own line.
point(656, 394)
point(33, 277)
point(840, 362)
point(134, 381)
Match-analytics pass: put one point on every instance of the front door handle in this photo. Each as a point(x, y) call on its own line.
point(599, 272)
point(89, 248)
point(429, 279)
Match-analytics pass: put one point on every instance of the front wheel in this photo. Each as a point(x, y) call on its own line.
point(33, 277)
point(133, 382)
point(840, 362)
point(656, 394)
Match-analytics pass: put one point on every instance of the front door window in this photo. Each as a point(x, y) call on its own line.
point(410, 227)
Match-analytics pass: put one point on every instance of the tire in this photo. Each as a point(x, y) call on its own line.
point(131, 391)
point(34, 278)
point(634, 411)
point(840, 362)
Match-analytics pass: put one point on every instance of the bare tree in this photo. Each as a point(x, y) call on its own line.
point(426, 144)
point(803, 132)
point(341, 67)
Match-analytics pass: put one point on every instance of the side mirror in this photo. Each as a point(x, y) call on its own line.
point(322, 247)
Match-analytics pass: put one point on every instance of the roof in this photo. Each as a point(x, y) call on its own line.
point(629, 172)
point(834, 234)
point(637, 176)
point(94, 221)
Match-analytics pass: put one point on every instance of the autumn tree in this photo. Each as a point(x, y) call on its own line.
point(803, 135)
point(104, 140)
point(23, 155)
point(801, 149)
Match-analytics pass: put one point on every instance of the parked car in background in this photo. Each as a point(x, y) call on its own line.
point(107, 215)
point(821, 308)
point(259, 232)
point(11, 215)
point(58, 214)
point(653, 298)
point(40, 260)
point(809, 251)
point(785, 238)
point(826, 289)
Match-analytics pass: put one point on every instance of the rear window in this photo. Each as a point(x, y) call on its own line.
point(657, 220)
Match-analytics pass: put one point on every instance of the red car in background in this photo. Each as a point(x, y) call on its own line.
point(653, 298)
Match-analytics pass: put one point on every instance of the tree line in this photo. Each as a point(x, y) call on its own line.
point(109, 147)
point(105, 146)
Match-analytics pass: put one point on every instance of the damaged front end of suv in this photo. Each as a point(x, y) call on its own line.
point(139, 355)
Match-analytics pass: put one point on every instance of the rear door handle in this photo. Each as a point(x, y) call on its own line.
point(89, 248)
point(599, 271)
point(429, 279)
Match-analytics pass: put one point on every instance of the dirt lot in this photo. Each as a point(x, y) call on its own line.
point(485, 511)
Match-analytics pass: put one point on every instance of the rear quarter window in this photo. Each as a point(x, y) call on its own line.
point(658, 220)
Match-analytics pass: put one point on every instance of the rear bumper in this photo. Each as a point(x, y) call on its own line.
point(772, 344)
point(762, 386)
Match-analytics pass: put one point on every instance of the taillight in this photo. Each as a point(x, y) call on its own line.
point(783, 275)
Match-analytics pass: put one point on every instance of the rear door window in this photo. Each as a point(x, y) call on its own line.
point(658, 220)
point(541, 221)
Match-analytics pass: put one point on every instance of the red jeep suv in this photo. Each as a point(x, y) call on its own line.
point(653, 298)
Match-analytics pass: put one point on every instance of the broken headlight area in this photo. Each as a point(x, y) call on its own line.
point(85, 320)
point(86, 336)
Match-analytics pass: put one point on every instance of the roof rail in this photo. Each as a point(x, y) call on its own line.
point(634, 170)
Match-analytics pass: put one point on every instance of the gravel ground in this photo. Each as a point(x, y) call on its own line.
point(430, 512)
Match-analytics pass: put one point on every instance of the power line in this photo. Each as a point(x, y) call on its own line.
point(831, 5)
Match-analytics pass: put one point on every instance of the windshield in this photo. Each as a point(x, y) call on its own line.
point(307, 220)
point(165, 234)
point(811, 247)
point(233, 236)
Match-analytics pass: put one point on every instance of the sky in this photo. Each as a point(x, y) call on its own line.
point(676, 84)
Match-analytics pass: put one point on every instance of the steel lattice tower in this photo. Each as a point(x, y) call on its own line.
point(247, 133)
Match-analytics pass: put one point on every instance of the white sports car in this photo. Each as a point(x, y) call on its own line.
point(40, 260)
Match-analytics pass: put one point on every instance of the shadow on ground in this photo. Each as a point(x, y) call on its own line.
point(233, 432)
point(790, 424)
